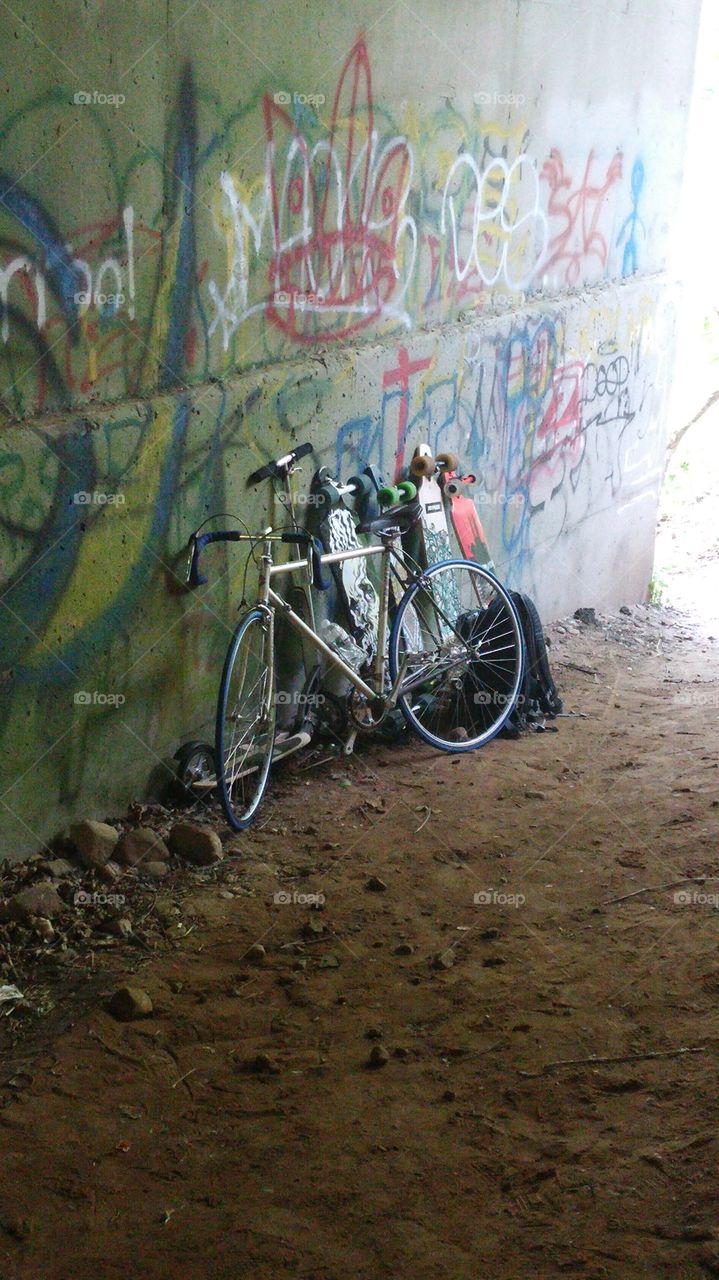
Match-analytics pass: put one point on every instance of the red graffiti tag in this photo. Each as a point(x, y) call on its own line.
point(338, 214)
point(579, 212)
point(401, 376)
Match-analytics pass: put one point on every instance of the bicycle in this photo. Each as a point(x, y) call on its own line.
point(456, 684)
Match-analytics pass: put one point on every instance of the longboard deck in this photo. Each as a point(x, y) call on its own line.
point(435, 538)
point(284, 745)
point(434, 530)
point(466, 522)
point(399, 581)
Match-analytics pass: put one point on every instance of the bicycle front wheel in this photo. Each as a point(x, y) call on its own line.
point(246, 716)
point(463, 674)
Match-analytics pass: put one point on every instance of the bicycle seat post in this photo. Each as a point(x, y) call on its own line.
point(288, 496)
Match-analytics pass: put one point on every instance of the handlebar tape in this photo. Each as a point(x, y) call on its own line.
point(194, 577)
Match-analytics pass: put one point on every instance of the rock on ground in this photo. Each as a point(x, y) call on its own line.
point(134, 846)
point(38, 900)
point(155, 870)
point(129, 1003)
point(196, 844)
point(94, 841)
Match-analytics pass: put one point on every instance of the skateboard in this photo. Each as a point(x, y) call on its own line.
point(390, 496)
point(463, 512)
point(434, 533)
point(338, 532)
point(435, 542)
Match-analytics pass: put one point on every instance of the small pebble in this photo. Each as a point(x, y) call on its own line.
point(129, 1003)
point(378, 1056)
point(262, 1064)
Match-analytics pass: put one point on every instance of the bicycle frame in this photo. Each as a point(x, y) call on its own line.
point(270, 600)
point(269, 571)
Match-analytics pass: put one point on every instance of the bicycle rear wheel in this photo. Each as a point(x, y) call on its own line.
point(246, 716)
point(463, 678)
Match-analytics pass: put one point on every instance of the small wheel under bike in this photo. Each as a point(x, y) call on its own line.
point(246, 718)
point(195, 768)
point(464, 674)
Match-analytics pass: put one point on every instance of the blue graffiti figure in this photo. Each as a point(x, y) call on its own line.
point(633, 222)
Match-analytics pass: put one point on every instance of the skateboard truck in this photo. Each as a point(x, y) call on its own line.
point(333, 492)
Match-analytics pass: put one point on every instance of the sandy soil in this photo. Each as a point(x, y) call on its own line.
point(240, 1132)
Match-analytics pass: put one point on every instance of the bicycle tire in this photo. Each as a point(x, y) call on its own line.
point(246, 759)
point(509, 647)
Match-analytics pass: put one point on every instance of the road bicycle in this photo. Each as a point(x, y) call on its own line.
point(455, 677)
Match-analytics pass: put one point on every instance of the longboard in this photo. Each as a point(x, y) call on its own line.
point(357, 595)
point(399, 580)
point(465, 518)
point(434, 533)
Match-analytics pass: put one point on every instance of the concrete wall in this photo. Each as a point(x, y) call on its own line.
point(230, 227)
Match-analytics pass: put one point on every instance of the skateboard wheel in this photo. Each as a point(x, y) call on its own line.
point(328, 495)
point(362, 486)
point(389, 496)
point(407, 490)
point(448, 461)
point(195, 763)
point(422, 465)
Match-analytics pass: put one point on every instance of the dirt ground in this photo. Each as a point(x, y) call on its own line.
point(240, 1132)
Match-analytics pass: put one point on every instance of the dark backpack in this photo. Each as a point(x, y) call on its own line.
point(538, 698)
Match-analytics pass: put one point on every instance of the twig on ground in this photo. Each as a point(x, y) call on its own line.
point(600, 1062)
point(428, 815)
point(654, 888)
point(182, 1078)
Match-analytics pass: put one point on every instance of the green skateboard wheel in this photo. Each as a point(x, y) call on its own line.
point(389, 496)
point(407, 490)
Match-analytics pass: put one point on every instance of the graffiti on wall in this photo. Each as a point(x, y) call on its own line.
point(369, 222)
point(363, 219)
point(553, 433)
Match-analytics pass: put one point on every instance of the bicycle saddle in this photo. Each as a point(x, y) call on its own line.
point(402, 517)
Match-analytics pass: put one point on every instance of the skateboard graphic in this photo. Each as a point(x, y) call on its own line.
point(338, 532)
